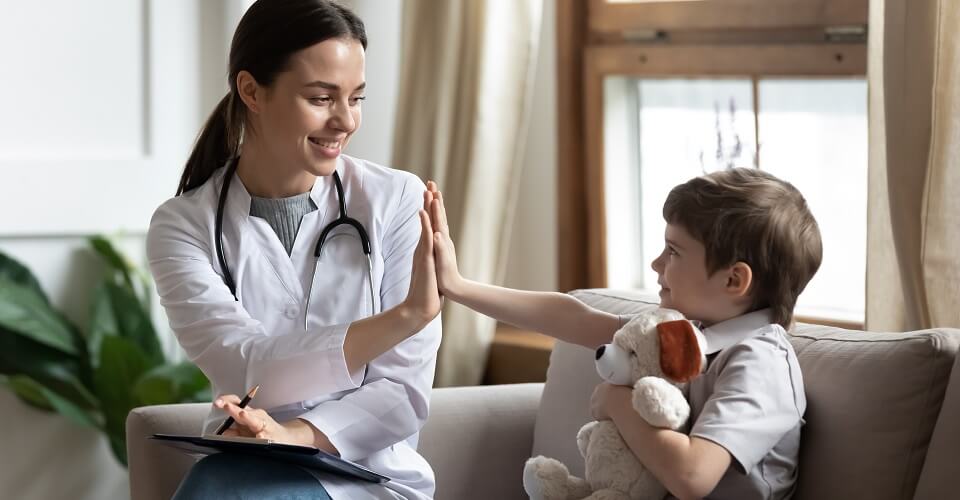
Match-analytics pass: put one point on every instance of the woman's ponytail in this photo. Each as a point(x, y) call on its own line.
point(219, 140)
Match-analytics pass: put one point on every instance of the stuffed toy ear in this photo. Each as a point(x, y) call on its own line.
point(680, 357)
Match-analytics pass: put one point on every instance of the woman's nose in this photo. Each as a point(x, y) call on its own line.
point(343, 118)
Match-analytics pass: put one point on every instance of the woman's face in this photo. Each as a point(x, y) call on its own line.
point(312, 109)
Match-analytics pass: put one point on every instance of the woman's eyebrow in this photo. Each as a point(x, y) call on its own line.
point(332, 86)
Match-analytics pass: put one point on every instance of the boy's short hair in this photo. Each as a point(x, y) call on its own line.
point(748, 215)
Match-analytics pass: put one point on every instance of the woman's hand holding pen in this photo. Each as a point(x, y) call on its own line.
point(257, 423)
point(252, 422)
point(448, 274)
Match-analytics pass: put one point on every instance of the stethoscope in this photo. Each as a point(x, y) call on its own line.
point(339, 221)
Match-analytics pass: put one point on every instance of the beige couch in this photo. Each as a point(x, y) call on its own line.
point(883, 419)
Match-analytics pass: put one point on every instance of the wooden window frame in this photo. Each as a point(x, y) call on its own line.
point(595, 39)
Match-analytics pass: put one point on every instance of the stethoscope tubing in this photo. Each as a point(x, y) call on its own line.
point(342, 219)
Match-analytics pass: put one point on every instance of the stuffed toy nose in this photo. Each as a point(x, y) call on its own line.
point(613, 365)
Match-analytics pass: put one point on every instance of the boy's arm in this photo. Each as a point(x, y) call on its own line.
point(689, 467)
point(556, 314)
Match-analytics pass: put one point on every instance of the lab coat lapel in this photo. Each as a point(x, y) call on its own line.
point(266, 241)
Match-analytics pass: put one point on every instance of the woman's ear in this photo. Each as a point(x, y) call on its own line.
point(739, 279)
point(249, 91)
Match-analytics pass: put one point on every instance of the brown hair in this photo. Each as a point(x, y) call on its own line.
point(748, 215)
point(268, 34)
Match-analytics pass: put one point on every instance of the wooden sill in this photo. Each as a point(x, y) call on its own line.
point(518, 356)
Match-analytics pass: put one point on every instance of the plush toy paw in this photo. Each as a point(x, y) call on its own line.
point(660, 403)
point(607, 494)
point(583, 437)
point(548, 479)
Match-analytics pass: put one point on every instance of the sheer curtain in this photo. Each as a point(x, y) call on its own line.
point(467, 71)
point(913, 252)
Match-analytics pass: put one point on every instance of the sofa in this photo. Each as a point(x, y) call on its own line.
point(882, 422)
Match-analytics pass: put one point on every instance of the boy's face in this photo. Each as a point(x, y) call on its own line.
point(685, 284)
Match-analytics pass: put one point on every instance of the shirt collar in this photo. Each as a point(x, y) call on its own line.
point(735, 330)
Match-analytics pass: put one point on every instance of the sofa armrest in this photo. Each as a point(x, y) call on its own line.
point(939, 476)
point(478, 438)
point(156, 470)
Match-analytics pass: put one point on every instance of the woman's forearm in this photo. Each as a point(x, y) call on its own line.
point(555, 314)
point(370, 337)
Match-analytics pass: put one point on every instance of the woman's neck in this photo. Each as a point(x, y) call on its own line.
point(266, 177)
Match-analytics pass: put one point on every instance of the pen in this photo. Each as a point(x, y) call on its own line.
point(243, 404)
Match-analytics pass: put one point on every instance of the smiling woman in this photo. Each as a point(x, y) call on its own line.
point(350, 371)
point(304, 119)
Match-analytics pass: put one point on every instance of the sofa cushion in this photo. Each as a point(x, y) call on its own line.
point(872, 404)
point(873, 401)
point(571, 377)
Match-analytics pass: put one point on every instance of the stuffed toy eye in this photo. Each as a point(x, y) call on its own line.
point(613, 364)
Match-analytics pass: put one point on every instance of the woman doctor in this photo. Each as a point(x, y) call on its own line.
point(338, 369)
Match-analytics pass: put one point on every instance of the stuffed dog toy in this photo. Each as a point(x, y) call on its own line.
point(656, 353)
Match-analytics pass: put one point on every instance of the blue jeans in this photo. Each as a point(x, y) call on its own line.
point(240, 477)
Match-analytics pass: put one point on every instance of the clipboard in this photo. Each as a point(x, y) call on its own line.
point(306, 456)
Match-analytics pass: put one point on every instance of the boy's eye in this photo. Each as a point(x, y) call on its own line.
point(671, 251)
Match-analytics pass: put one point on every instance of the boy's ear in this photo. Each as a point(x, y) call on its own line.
point(739, 279)
point(680, 358)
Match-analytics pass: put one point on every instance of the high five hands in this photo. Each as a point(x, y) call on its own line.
point(445, 256)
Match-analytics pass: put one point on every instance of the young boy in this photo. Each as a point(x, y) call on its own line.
point(740, 247)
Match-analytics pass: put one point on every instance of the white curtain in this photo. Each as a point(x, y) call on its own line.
point(467, 71)
point(913, 252)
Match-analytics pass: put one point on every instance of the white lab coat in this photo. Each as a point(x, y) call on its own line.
point(372, 416)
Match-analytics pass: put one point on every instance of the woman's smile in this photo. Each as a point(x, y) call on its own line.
point(328, 148)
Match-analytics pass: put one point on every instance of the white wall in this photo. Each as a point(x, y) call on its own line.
point(107, 106)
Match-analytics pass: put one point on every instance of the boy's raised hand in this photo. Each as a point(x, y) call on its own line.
point(448, 274)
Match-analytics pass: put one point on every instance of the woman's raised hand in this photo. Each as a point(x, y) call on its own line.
point(423, 297)
point(448, 274)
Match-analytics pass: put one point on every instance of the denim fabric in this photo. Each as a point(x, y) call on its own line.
point(227, 476)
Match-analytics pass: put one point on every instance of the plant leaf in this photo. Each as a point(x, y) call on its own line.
point(44, 398)
point(16, 272)
point(121, 363)
point(119, 447)
point(24, 312)
point(170, 383)
point(117, 312)
point(114, 259)
point(137, 280)
point(54, 369)
point(27, 393)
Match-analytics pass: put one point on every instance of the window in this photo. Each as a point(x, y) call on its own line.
point(668, 90)
point(659, 132)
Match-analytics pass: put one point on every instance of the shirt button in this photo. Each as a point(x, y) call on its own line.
point(291, 311)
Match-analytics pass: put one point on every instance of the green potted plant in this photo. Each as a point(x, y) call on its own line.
point(94, 375)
